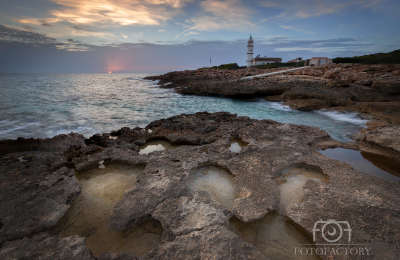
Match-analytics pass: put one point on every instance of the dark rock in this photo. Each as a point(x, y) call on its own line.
point(274, 98)
point(320, 92)
point(195, 224)
point(307, 104)
point(213, 242)
point(44, 247)
point(32, 197)
point(58, 143)
point(117, 256)
point(388, 87)
point(339, 82)
point(362, 93)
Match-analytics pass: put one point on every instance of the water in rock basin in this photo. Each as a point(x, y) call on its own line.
point(156, 145)
point(373, 164)
point(53, 104)
point(217, 182)
point(291, 184)
point(89, 213)
point(236, 145)
point(273, 235)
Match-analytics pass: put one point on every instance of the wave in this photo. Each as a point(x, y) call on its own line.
point(348, 117)
point(278, 106)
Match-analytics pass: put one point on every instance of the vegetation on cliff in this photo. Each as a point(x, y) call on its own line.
point(377, 58)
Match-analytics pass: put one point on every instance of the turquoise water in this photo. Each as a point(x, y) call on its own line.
point(45, 105)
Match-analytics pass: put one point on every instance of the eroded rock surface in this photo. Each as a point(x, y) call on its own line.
point(196, 226)
point(388, 137)
point(42, 246)
point(33, 195)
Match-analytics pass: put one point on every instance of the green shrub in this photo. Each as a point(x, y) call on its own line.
point(377, 58)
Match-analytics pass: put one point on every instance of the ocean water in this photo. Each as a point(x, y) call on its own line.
point(45, 105)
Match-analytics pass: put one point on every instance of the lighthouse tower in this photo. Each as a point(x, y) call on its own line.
point(250, 52)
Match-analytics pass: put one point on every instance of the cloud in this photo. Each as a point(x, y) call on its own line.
point(8, 34)
point(331, 46)
point(313, 8)
point(80, 28)
point(71, 57)
point(114, 12)
point(297, 29)
point(162, 30)
point(220, 15)
point(123, 35)
point(191, 33)
point(29, 28)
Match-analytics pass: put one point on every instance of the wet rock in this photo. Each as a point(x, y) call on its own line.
point(42, 246)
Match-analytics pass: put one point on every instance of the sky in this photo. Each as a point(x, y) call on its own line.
point(101, 36)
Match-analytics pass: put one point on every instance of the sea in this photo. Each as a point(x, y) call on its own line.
point(45, 105)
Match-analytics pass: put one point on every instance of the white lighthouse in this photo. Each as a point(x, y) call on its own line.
point(250, 47)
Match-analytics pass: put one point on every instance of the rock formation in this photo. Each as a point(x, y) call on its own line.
point(38, 187)
point(348, 86)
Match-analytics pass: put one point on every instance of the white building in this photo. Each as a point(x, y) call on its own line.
point(257, 60)
point(316, 61)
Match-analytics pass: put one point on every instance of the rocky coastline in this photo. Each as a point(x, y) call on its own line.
point(40, 184)
point(371, 90)
point(216, 189)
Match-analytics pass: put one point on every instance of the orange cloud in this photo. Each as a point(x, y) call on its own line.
point(118, 12)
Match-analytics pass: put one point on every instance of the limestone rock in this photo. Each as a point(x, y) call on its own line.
point(388, 87)
point(214, 242)
point(44, 247)
point(32, 197)
point(195, 225)
point(333, 73)
point(316, 91)
point(58, 143)
point(117, 256)
point(184, 215)
point(388, 137)
point(307, 104)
